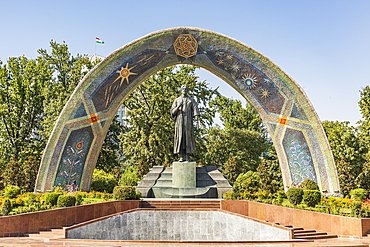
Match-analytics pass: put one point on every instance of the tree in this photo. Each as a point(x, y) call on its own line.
point(148, 141)
point(246, 182)
point(346, 177)
point(22, 83)
point(109, 155)
point(269, 173)
point(246, 146)
point(241, 143)
point(364, 123)
point(345, 144)
point(235, 116)
point(363, 179)
point(232, 169)
point(13, 174)
point(67, 72)
point(30, 169)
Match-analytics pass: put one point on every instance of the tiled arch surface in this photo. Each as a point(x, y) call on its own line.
point(291, 121)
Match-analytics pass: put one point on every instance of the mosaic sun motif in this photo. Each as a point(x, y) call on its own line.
point(250, 80)
point(124, 73)
point(186, 45)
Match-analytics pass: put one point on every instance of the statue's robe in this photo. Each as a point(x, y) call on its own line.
point(184, 129)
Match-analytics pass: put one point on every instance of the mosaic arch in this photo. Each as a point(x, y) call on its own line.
point(296, 131)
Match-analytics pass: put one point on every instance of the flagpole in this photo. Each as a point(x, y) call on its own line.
point(95, 47)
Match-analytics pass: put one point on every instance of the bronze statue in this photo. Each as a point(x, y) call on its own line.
point(183, 110)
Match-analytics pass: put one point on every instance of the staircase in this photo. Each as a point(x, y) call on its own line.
point(180, 204)
point(49, 234)
point(300, 233)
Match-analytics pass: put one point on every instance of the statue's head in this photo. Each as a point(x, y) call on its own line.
point(184, 89)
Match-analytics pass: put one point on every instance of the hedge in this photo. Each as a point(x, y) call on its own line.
point(125, 193)
point(66, 201)
point(295, 195)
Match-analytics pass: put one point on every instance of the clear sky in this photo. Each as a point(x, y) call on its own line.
point(323, 45)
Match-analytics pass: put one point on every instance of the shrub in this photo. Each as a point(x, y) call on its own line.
point(7, 207)
point(311, 197)
point(308, 184)
point(125, 193)
point(129, 177)
point(295, 195)
point(361, 194)
point(102, 181)
point(281, 196)
point(12, 191)
point(246, 182)
point(228, 195)
point(66, 201)
point(79, 199)
point(52, 198)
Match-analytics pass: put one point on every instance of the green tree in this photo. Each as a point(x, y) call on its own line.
point(243, 138)
point(346, 144)
point(129, 177)
point(346, 177)
point(148, 141)
point(269, 173)
point(13, 173)
point(246, 182)
point(102, 181)
point(235, 116)
point(232, 169)
point(30, 170)
point(110, 152)
point(246, 146)
point(67, 71)
point(363, 179)
point(22, 83)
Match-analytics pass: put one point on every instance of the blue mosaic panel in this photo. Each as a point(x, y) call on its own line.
point(299, 156)
point(73, 159)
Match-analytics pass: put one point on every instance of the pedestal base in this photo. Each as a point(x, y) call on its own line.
point(184, 174)
point(158, 183)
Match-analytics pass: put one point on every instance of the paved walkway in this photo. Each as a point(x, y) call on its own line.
point(34, 242)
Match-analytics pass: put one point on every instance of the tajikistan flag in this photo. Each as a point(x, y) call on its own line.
point(99, 41)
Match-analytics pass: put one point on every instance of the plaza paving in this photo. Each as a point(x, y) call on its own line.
point(39, 242)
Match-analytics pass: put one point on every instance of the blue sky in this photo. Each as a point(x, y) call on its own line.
point(323, 45)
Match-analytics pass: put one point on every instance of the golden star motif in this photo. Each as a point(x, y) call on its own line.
point(124, 73)
point(265, 93)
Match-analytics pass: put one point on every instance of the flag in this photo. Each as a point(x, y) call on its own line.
point(99, 41)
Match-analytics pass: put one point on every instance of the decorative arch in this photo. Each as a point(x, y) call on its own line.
point(291, 120)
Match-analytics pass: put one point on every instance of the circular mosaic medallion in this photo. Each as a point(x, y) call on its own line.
point(186, 45)
point(250, 80)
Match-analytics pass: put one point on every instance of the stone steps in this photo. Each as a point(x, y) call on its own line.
point(48, 234)
point(180, 204)
point(300, 233)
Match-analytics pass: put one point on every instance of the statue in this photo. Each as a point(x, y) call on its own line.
point(183, 110)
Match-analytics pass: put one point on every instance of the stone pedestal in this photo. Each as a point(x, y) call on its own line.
point(184, 174)
point(183, 180)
